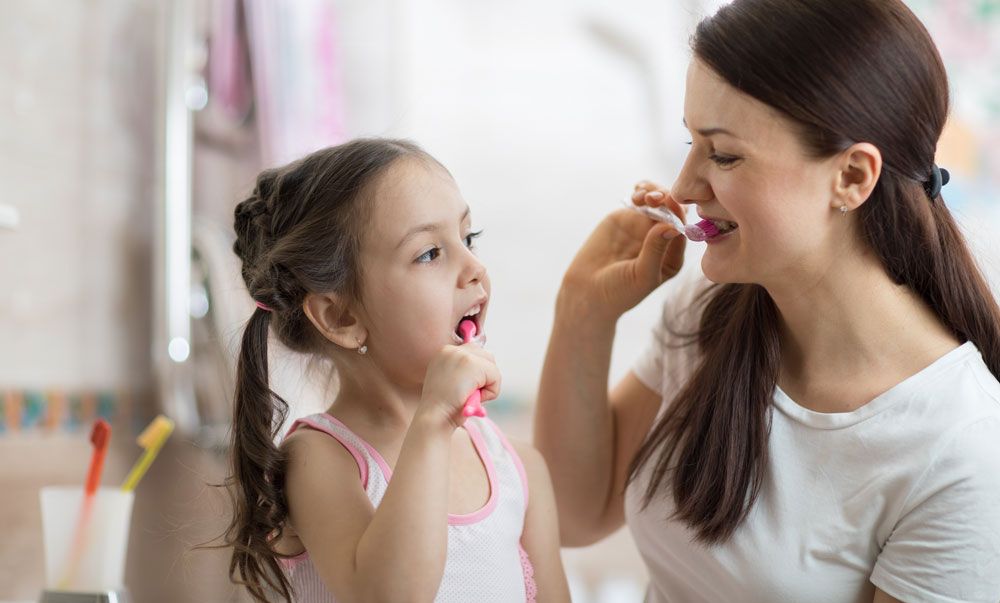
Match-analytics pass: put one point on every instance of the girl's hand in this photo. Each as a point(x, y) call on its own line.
point(626, 257)
point(452, 375)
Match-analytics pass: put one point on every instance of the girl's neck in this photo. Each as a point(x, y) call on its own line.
point(855, 321)
point(374, 403)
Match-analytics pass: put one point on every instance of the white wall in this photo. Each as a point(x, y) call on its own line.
point(546, 114)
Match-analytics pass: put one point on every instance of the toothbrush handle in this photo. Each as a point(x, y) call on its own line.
point(474, 405)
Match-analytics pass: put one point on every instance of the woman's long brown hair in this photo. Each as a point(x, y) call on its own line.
point(843, 71)
point(298, 232)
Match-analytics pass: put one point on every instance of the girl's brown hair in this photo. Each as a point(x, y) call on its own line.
point(299, 232)
point(843, 71)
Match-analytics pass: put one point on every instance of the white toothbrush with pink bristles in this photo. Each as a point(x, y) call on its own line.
point(702, 231)
point(474, 403)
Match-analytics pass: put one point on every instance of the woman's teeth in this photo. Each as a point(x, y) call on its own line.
point(725, 226)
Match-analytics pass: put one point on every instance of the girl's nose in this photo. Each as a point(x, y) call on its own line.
point(473, 272)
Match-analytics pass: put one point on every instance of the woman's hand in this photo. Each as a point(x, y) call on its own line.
point(626, 257)
point(452, 375)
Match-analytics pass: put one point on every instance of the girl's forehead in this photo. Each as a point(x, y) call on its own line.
point(413, 193)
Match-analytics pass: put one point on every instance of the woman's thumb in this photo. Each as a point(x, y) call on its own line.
point(654, 246)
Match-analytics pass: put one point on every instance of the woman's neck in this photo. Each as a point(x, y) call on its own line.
point(853, 328)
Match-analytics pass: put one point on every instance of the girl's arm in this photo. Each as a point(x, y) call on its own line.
point(396, 552)
point(540, 538)
point(587, 437)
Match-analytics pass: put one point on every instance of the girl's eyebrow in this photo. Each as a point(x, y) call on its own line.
point(707, 132)
point(430, 227)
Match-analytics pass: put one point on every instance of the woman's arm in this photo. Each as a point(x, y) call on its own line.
point(881, 597)
point(540, 537)
point(586, 436)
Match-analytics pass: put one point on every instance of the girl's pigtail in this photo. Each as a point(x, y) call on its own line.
point(258, 468)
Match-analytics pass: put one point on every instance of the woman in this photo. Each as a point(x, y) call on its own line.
point(823, 423)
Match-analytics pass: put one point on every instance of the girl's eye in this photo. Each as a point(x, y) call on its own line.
point(471, 237)
point(429, 256)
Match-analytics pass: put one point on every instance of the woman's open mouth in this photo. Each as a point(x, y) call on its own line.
point(725, 226)
point(710, 228)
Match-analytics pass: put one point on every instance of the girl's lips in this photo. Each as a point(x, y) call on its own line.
point(478, 318)
point(479, 339)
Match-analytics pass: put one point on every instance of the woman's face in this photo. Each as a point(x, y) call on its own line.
point(747, 166)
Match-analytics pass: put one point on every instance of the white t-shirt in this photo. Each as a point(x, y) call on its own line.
point(902, 493)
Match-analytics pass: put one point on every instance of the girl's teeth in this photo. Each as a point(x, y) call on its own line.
point(473, 311)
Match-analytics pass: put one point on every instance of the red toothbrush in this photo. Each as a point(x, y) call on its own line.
point(474, 403)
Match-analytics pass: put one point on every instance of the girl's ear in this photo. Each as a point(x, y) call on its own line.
point(332, 317)
point(859, 168)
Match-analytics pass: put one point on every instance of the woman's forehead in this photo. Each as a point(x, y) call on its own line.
point(710, 102)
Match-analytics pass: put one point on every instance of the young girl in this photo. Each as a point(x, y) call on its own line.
point(363, 254)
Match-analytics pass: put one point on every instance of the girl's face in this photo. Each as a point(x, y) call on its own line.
point(747, 166)
point(420, 273)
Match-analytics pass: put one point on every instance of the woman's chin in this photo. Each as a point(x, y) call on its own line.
point(721, 271)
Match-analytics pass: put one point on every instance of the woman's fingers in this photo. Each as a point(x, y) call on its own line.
point(660, 243)
point(656, 195)
point(673, 258)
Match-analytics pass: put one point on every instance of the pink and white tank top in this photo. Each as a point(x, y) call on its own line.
point(485, 562)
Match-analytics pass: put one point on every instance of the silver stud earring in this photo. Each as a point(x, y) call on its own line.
point(362, 349)
point(844, 209)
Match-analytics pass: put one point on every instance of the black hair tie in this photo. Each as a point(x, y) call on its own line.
point(939, 178)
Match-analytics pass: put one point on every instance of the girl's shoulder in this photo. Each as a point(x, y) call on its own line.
point(332, 450)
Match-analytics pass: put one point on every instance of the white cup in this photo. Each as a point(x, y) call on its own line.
point(91, 559)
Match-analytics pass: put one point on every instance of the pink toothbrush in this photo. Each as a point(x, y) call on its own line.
point(702, 231)
point(474, 403)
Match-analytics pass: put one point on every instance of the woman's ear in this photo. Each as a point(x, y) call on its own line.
point(859, 168)
point(332, 316)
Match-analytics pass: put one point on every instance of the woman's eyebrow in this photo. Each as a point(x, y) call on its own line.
point(707, 132)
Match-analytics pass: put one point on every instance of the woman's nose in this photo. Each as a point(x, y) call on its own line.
point(690, 186)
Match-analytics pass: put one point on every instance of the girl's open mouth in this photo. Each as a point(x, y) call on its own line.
point(473, 314)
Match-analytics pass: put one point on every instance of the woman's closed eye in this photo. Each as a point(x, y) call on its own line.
point(720, 159)
point(723, 160)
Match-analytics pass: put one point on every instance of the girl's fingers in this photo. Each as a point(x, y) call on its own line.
point(490, 388)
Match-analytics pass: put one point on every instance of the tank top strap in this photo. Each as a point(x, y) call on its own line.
point(499, 448)
point(372, 468)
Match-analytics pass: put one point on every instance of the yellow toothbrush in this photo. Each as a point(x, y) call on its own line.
point(152, 439)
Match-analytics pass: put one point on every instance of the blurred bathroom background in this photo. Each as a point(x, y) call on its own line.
point(131, 128)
